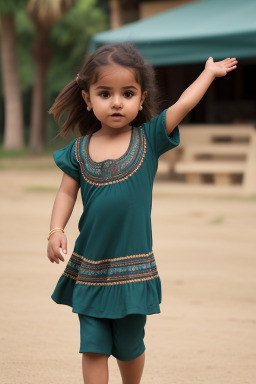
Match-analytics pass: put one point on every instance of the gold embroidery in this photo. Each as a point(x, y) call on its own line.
point(78, 158)
point(68, 275)
point(113, 260)
point(120, 282)
point(119, 270)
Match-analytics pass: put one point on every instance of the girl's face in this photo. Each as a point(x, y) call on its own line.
point(115, 98)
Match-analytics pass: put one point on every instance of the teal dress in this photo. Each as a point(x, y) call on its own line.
point(112, 271)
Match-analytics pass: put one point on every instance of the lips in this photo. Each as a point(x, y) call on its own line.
point(117, 114)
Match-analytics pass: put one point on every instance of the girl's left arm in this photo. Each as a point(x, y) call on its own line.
point(194, 93)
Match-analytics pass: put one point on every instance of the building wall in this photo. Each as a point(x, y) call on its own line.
point(120, 15)
point(147, 9)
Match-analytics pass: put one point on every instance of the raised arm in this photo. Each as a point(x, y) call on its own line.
point(194, 93)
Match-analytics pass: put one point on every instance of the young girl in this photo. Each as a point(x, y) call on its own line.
point(111, 279)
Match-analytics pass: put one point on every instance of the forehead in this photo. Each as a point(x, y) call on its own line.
point(115, 75)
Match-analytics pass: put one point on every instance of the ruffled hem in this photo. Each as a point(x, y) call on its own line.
point(110, 301)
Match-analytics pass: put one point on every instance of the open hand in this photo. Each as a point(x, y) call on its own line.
point(220, 68)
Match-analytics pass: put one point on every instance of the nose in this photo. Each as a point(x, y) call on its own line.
point(117, 102)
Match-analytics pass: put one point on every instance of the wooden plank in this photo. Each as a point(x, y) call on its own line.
point(208, 167)
point(239, 129)
point(206, 134)
point(217, 149)
point(223, 179)
point(227, 153)
point(194, 178)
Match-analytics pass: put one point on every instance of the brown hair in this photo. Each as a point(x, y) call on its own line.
point(70, 99)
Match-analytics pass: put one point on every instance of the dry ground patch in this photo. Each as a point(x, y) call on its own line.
point(205, 252)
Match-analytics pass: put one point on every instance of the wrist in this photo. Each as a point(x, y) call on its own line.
point(52, 231)
point(209, 73)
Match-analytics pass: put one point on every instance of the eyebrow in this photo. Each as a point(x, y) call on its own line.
point(105, 87)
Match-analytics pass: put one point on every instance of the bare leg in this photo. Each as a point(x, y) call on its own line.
point(131, 371)
point(95, 368)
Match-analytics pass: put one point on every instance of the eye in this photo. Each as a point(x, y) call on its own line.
point(104, 94)
point(128, 94)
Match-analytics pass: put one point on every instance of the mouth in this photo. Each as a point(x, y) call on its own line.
point(117, 115)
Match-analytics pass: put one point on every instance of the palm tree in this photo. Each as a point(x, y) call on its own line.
point(44, 14)
point(14, 127)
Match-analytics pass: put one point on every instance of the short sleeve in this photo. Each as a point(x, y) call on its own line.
point(157, 135)
point(65, 159)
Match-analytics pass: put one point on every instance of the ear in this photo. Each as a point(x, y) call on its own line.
point(143, 96)
point(86, 97)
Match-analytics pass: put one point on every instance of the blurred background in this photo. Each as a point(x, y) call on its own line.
point(43, 44)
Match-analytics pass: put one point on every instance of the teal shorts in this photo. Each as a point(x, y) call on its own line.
point(122, 338)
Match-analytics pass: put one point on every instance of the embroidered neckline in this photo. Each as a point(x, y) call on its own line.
point(111, 171)
point(108, 160)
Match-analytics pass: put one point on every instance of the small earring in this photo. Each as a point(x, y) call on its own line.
point(88, 108)
point(141, 108)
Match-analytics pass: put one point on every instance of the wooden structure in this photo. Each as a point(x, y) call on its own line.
point(127, 11)
point(225, 154)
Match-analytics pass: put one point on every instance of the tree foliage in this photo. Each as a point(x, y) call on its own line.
point(50, 10)
point(11, 6)
point(69, 39)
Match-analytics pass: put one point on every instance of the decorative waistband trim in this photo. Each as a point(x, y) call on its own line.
point(119, 282)
point(121, 270)
point(113, 260)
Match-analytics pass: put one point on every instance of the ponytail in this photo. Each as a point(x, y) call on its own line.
point(70, 100)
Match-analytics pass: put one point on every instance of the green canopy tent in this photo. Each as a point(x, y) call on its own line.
point(191, 33)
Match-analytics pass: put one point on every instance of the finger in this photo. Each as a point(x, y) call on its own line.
point(56, 254)
point(231, 69)
point(64, 245)
point(50, 259)
point(223, 61)
point(55, 259)
point(229, 60)
point(233, 60)
point(232, 64)
point(60, 255)
point(49, 255)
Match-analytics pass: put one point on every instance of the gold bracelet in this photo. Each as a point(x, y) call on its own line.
point(53, 231)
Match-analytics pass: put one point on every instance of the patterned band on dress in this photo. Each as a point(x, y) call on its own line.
point(121, 270)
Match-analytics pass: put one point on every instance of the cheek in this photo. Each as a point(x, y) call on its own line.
point(134, 101)
point(99, 103)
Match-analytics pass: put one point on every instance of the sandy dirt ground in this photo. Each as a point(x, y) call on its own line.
point(205, 248)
